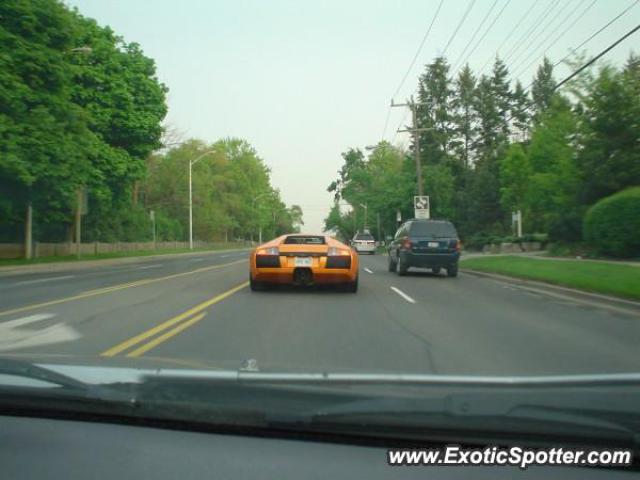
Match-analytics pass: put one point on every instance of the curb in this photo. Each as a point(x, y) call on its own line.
point(614, 303)
point(80, 264)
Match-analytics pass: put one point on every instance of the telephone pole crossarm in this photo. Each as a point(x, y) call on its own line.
point(416, 139)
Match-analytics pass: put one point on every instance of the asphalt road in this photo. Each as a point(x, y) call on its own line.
point(198, 311)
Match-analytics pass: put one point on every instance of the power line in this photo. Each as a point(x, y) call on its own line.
point(485, 32)
point(453, 35)
point(555, 40)
point(415, 57)
point(525, 15)
point(535, 25)
point(413, 61)
point(596, 33)
point(455, 32)
point(603, 52)
point(473, 37)
point(517, 61)
point(586, 65)
point(404, 117)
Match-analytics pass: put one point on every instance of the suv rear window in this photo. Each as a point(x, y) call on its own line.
point(364, 236)
point(304, 240)
point(433, 229)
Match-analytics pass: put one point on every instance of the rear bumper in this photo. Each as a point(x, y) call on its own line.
point(321, 276)
point(364, 248)
point(429, 260)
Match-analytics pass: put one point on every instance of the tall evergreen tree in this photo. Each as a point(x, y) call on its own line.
point(543, 87)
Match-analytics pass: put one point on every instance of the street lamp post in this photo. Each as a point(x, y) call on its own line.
point(364, 205)
point(253, 202)
point(191, 164)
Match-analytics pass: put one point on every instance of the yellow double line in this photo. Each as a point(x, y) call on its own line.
point(101, 291)
point(192, 316)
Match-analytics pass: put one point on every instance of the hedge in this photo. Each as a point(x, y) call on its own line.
point(612, 225)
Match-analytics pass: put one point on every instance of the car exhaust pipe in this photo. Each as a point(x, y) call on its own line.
point(302, 277)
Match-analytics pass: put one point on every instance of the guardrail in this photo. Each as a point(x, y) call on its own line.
point(41, 249)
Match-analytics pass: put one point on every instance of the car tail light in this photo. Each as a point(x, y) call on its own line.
point(406, 244)
point(337, 252)
point(268, 251)
point(458, 245)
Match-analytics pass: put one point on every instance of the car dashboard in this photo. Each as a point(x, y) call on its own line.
point(53, 448)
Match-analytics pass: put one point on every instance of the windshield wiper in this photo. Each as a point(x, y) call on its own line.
point(24, 369)
point(67, 385)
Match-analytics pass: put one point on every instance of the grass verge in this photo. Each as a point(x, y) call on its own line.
point(606, 278)
point(104, 256)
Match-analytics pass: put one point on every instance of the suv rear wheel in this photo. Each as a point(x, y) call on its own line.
point(392, 264)
point(452, 271)
point(401, 267)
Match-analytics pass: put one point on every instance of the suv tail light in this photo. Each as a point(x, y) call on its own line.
point(458, 245)
point(406, 243)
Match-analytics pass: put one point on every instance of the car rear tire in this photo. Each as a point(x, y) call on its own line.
point(255, 286)
point(392, 264)
point(452, 271)
point(401, 268)
point(351, 287)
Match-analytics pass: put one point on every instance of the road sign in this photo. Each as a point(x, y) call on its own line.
point(421, 206)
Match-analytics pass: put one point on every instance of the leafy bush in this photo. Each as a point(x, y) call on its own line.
point(566, 227)
point(612, 225)
point(476, 242)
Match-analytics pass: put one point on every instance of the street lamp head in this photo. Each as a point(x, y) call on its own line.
point(85, 50)
point(200, 157)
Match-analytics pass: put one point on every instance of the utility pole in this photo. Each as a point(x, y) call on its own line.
point(79, 195)
point(415, 131)
point(378, 218)
point(191, 164)
point(28, 228)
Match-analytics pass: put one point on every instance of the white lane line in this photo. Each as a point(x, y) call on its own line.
point(196, 259)
point(403, 295)
point(225, 256)
point(42, 280)
point(367, 270)
point(150, 266)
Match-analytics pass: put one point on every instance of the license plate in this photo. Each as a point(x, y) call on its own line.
point(303, 261)
point(433, 244)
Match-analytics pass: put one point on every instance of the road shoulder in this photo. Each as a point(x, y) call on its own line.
point(609, 302)
point(82, 264)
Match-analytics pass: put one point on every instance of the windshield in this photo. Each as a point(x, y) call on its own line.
point(303, 240)
point(407, 203)
point(436, 229)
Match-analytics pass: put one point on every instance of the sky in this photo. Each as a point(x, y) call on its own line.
point(303, 80)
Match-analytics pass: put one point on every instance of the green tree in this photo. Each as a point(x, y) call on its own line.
point(44, 139)
point(543, 87)
point(554, 184)
point(465, 116)
point(610, 157)
point(515, 173)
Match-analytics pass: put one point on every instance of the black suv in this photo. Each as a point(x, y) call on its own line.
point(430, 244)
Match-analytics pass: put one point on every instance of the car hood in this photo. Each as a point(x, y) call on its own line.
point(104, 370)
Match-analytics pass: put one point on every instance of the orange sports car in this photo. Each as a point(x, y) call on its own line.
point(298, 259)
